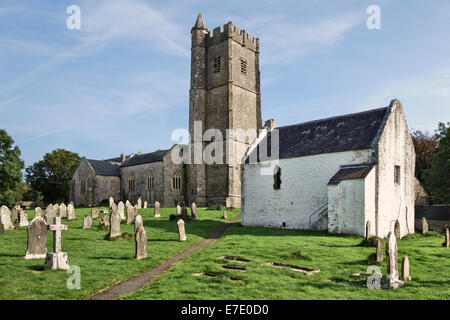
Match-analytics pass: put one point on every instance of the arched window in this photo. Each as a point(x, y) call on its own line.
point(131, 182)
point(277, 178)
point(150, 180)
point(176, 181)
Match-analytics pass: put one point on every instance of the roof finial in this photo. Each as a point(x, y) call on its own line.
point(199, 24)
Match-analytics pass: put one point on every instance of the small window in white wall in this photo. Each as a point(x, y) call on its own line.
point(277, 178)
point(397, 174)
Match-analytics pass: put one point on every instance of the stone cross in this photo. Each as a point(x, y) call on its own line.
point(121, 209)
point(181, 230)
point(379, 251)
point(56, 259)
point(94, 213)
point(71, 212)
point(23, 219)
point(87, 222)
point(63, 211)
point(114, 228)
point(405, 269)
point(138, 222)
point(157, 213)
point(130, 214)
point(141, 243)
point(37, 212)
point(424, 226)
point(193, 211)
point(392, 277)
point(37, 239)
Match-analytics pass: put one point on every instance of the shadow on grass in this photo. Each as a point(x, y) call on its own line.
point(12, 255)
point(36, 267)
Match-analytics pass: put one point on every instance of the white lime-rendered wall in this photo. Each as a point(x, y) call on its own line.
point(395, 202)
point(351, 203)
point(303, 189)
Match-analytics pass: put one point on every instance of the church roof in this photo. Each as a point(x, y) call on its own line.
point(354, 131)
point(351, 173)
point(145, 158)
point(104, 168)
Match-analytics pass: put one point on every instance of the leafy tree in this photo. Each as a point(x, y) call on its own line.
point(52, 175)
point(26, 193)
point(10, 168)
point(425, 146)
point(437, 178)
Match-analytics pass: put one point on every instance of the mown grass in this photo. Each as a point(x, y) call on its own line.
point(102, 263)
point(337, 257)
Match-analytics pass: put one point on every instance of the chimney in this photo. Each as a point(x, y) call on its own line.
point(139, 153)
point(270, 124)
point(124, 157)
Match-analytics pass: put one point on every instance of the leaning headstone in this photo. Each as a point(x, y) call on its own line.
point(139, 203)
point(178, 209)
point(141, 243)
point(121, 208)
point(114, 228)
point(181, 230)
point(23, 219)
point(424, 225)
point(157, 213)
point(193, 211)
point(49, 214)
point(37, 239)
point(392, 277)
point(145, 204)
point(57, 259)
point(130, 214)
point(71, 212)
point(87, 222)
point(94, 213)
point(405, 269)
point(447, 238)
point(105, 220)
point(379, 251)
point(6, 218)
point(138, 222)
point(63, 211)
point(37, 212)
point(111, 201)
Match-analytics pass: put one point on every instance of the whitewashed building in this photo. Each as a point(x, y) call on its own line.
point(348, 174)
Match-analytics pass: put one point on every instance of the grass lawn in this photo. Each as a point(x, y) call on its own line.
point(337, 257)
point(102, 263)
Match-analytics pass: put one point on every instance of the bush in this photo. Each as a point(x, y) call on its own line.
point(432, 234)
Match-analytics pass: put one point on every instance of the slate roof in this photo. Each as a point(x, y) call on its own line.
point(105, 168)
point(354, 131)
point(351, 173)
point(145, 158)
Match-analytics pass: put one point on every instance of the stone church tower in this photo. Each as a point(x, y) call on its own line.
point(224, 94)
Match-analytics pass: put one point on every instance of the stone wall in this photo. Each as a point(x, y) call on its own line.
point(172, 196)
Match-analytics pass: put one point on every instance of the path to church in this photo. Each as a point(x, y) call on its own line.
point(137, 282)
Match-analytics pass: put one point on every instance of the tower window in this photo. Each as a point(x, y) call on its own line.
point(277, 178)
point(243, 66)
point(397, 174)
point(216, 67)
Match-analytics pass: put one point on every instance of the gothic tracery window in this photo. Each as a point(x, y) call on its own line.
point(176, 181)
point(131, 182)
point(150, 180)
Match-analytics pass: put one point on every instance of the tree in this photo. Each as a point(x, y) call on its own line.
point(10, 168)
point(425, 146)
point(437, 178)
point(52, 175)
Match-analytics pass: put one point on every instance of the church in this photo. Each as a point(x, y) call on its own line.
point(347, 174)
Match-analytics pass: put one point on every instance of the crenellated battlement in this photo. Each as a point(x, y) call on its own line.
point(238, 35)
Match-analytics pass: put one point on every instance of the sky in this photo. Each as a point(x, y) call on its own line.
point(120, 83)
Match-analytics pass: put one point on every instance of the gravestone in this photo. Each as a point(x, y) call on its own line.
point(71, 212)
point(224, 214)
point(105, 220)
point(447, 238)
point(121, 208)
point(130, 214)
point(157, 214)
point(405, 269)
point(424, 225)
point(57, 259)
point(15, 214)
point(56, 208)
point(37, 239)
point(368, 229)
point(139, 203)
point(379, 251)
point(94, 213)
point(87, 222)
point(145, 204)
point(181, 230)
point(6, 218)
point(392, 277)
point(49, 214)
point(111, 201)
point(141, 243)
point(138, 222)
point(37, 212)
point(178, 209)
point(228, 202)
point(63, 211)
point(23, 219)
point(193, 211)
point(127, 203)
point(114, 228)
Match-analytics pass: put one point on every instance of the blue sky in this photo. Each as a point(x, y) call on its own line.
point(120, 83)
